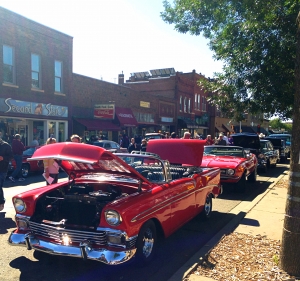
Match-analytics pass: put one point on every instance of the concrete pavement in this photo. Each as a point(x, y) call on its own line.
point(264, 216)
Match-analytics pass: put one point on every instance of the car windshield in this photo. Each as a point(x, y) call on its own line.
point(149, 167)
point(98, 144)
point(224, 151)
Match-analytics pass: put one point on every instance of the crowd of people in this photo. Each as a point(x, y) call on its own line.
point(51, 167)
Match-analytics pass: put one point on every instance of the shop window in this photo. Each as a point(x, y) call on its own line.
point(8, 65)
point(35, 71)
point(180, 103)
point(58, 76)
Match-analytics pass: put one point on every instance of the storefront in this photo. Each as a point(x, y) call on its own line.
point(31, 119)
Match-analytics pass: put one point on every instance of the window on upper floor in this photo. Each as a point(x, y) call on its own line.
point(35, 71)
point(185, 104)
point(203, 104)
point(58, 76)
point(180, 103)
point(199, 102)
point(9, 65)
point(189, 106)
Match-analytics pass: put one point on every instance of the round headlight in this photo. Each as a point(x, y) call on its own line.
point(19, 205)
point(112, 217)
point(230, 172)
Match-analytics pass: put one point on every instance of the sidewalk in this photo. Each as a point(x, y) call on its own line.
point(264, 216)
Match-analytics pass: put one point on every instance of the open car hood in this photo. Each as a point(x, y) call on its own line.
point(79, 159)
point(178, 151)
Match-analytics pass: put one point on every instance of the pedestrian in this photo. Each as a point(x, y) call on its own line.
point(220, 140)
point(173, 135)
point(230, 139)
point(35, 141)
point(144, 145)
point(17, 149)
point(75, 138)
point(124, 141)
point(186, 135)
point(5, 156)
point(209, 140)
point(132, 146)
point(51, 167)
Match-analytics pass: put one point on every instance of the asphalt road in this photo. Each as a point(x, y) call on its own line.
point(17, 263)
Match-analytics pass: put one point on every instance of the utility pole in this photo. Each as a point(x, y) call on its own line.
point(290, 248)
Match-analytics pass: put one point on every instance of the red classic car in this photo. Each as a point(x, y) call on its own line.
point(28, 167)
point(235, 162)
point(114, 205)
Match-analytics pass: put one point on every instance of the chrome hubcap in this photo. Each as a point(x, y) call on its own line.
point(148, 243)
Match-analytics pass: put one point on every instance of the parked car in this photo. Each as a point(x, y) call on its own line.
point(110, 145)
point(251, 142)
point(115, 206)
point(150, 136)
point(236, 163)
point(272, 154)
point(287, 138)
point(281, 146)
point(27, 167)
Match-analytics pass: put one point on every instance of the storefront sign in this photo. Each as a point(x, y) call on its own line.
point(145, 104)
point(166, 119)
point(105, 111)
point(25, 107)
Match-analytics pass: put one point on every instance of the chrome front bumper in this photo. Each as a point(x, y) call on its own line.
point(84, 250)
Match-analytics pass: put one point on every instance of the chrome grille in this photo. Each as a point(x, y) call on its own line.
point(76, 236)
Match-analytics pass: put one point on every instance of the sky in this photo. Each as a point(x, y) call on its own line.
point(119, 36)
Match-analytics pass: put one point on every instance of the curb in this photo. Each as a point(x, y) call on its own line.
point(240, 212)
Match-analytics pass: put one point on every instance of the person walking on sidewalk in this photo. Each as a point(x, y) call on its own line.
point(5, 156)
point(51, 168)
point(17, 149)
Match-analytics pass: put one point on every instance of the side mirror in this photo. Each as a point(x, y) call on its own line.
point(247, 152)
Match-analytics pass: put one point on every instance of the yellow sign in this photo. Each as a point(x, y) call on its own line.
point(145, 104)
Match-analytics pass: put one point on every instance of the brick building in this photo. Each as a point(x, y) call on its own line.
point(187, 109)
point(36, 75)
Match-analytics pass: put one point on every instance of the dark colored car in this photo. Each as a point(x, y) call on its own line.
point(110, 146)
point(272, 154)
point(27, 166)
point(287, 138)
point(251, 142)
point(281, 146)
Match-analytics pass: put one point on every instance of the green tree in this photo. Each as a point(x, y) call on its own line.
point(259, 42)
point(255, 40)
point(277, 125)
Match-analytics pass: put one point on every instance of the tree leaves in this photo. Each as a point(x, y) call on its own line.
point(256, 40)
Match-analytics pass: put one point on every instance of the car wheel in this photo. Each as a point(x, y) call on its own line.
point(25, 170)
point(240, 186)
point(253, 176)
point(206, 212)
point(146, 243)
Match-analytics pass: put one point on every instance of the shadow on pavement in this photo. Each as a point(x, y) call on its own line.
point(5, 223)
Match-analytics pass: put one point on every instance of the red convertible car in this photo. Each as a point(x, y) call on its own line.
point(113, 206)
point(236, 163)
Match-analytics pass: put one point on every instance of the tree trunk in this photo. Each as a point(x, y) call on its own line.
point(290, 250)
